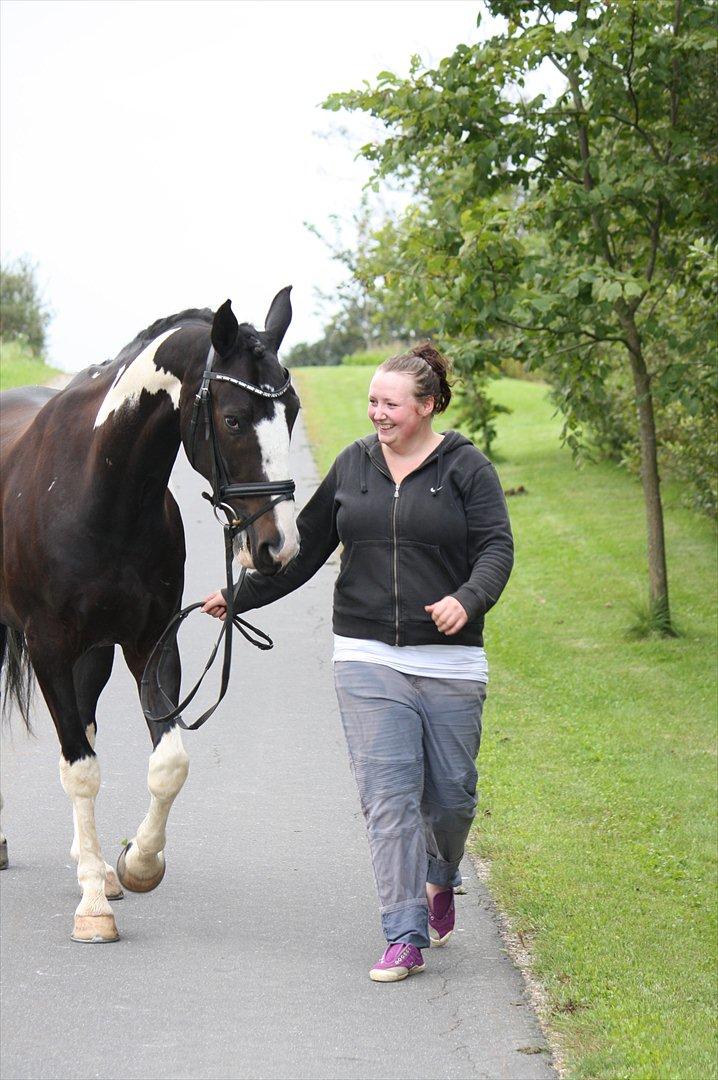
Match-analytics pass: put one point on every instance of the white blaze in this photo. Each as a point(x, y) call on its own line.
point(273, 438)
point(141, 374)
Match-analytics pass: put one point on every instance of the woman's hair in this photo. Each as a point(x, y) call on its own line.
point(429, 370)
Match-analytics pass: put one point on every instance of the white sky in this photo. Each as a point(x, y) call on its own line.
point(163, 154)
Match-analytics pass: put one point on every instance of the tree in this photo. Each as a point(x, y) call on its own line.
point(23, 316)
point(362, 319)
point(559, 231)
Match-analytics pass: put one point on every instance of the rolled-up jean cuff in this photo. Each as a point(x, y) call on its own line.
point(439, 872)
point(407, 922)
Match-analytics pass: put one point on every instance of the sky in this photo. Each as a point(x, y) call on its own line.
point(164, 154)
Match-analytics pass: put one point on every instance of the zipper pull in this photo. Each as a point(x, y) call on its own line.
point(396, 491)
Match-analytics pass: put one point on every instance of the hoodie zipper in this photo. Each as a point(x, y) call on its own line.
point(394, 561)
point(394, 564)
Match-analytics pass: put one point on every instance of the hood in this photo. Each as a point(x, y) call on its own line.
point(371, 450)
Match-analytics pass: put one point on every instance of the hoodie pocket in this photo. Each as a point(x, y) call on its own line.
point(424, 578)
point(364, 587)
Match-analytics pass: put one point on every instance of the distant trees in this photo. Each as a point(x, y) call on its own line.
point(23, 315)
point(362, 319)
point(576, 234)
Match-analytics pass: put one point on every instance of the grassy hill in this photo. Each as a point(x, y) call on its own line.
point(19, 367)
point(598, 770)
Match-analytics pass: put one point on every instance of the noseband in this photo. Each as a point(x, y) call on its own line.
point(222, 490)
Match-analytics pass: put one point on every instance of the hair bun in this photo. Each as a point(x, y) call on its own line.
point(433, 357)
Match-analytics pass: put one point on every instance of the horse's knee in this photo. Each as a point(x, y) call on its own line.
point(169, 766)
point(80, 779)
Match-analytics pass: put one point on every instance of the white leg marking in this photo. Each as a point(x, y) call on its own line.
point(169, 765)
point(273, 438)
point(91, 735)
point(141, 374)
point(81, 782)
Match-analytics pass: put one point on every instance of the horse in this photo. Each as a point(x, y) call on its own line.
point(93, 546)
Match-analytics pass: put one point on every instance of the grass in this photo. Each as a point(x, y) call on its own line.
point(20, 367)
point(598, 770)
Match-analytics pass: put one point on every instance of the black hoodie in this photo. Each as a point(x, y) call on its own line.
point(444, 531)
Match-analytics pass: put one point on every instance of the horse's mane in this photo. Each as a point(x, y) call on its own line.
point(203, 315)
point(160, 325)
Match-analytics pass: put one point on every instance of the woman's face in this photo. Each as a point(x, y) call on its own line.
point(396, 414)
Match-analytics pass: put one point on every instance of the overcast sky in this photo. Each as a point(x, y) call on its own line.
point(163, 154)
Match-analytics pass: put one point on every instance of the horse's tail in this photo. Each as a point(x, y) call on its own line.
point(18, 676)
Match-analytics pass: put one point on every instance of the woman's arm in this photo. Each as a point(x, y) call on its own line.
point(491, 545)
point(318, 538)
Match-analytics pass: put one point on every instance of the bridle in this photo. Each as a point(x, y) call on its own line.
point(222, 489)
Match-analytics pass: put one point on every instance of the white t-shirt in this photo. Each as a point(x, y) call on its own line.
point(430, 661)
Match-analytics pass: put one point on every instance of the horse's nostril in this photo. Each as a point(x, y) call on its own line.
point(275, 550)
point(265, 559)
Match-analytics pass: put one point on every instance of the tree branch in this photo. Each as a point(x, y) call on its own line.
point(595, 338)
point(636, 127)
point(655, 237)
point(662, 293)
point(675, 70)
point(629, 65)
point(583, 146)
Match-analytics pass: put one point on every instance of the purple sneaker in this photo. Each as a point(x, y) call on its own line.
point(398, 961)
point(442, 915)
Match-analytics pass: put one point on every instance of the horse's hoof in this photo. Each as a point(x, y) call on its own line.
point(94, 929)
point(3, 855)
point(136, 884)
point(113, 889)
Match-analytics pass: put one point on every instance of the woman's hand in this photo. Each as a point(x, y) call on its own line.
point(448, 615)
point(215, 605)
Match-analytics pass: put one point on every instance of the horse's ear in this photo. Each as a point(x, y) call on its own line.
point(278, 318)
point(224, 329)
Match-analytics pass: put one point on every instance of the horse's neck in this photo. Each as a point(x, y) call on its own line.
point(137, 418)
point(142, 444)
point(135, 433)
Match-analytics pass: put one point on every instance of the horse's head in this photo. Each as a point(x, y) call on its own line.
point(249, 437)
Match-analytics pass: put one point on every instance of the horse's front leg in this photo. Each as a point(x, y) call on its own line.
point(80, 777)
point(141, 866)
point(90, 676)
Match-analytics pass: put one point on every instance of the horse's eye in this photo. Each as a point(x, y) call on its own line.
point(232, 422)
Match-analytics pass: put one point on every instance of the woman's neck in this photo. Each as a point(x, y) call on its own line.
point(404, 458)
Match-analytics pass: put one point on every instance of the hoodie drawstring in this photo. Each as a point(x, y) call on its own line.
point(439, 470)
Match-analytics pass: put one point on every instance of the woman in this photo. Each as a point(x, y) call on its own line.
point(427, 550)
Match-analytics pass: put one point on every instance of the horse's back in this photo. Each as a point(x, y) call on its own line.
point(18, 409)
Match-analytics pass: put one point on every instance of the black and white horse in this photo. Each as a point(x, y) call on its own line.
point(93, 545)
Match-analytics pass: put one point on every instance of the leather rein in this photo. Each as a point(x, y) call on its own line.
point(222, 490)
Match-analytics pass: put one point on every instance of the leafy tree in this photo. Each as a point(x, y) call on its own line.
point(23, 316)
point(560, 231)
point(366, 315)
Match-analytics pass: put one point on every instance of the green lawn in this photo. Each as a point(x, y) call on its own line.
point(598, 768)
point(18, 367)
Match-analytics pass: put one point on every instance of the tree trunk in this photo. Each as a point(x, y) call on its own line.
point(657, 572)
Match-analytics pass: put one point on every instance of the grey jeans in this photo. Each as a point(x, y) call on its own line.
point(412, 745)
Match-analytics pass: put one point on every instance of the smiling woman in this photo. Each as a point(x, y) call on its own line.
point(426, 552)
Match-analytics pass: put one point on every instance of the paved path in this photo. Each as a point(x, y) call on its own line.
point(251, 958)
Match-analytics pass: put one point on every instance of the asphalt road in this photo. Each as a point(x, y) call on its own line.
point(251, 958)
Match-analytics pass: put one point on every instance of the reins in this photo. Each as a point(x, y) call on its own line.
point(222, 489)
